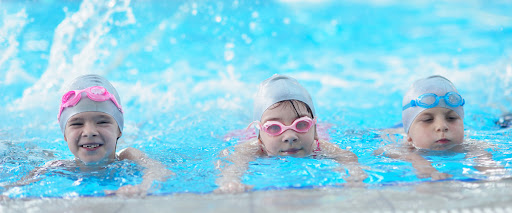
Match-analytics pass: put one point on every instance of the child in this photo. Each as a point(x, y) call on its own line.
point(286, 119)
point(91, 120)
point(432, 117)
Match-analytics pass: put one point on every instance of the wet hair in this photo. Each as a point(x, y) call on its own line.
point(294, 104)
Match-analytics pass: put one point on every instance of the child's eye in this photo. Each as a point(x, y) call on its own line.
point(452, 118)
point(427, 120)
point(103, 122)
point(75, 124)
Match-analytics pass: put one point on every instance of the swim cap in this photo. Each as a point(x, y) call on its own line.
point(87, 105)
point(279, 88)
point(436, 84)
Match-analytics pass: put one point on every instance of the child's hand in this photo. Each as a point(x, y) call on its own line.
point(432, 173)
point(440, 176)
point(233, 187)
point(129, 191)
point(356, 176)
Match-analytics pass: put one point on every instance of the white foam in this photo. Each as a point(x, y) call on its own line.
point(86, 29)
point(11, 28)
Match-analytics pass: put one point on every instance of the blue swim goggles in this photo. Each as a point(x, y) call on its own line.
point(430, 100)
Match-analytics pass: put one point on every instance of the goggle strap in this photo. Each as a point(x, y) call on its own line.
point(411, 104)
point(252, 123)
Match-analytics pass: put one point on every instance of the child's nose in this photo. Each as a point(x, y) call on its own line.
point(89, 130)
point(289, 136)
point(441, 126)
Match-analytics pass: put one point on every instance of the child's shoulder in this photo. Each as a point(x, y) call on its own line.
point(329, 148)
point(249, 147)
point(252, 146)
point(130, 153)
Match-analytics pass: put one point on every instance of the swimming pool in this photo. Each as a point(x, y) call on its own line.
point(186, 72)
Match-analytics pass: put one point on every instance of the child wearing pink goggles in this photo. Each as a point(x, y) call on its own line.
point(91, 119)
point(285, 118)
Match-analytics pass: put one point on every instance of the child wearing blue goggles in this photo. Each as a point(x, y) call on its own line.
point(432, 117)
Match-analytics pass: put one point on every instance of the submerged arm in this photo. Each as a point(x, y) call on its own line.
point(424, 168)
point(153, 171)
point(483, 160)
point(347, 159)
point(234, 166)
point(33, 176)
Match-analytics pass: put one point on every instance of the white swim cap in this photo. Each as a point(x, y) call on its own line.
point(279, 88)
point(435, 84)
point(87, 105)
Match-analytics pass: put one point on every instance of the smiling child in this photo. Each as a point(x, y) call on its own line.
point(91, 120)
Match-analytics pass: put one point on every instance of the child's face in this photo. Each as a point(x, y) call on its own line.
point(92, 137)
point(289, 143)
point(436, 129)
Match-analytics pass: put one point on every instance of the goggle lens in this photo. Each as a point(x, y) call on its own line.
point(427, 100)
point(98, 90)
point(302, 126)
point(453, 99)
point(68, 96)
point(273, 129)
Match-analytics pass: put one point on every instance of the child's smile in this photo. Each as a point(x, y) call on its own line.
point(91, 147)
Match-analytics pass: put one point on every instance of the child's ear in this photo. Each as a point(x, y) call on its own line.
point(120, 133)
point(409, 139)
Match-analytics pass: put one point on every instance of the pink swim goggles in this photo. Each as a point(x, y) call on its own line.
point(276, 128)
point(95, 93)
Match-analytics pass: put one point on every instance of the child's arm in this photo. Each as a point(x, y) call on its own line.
point(231, 172)
point(154, 170)
point(424, 168)
point(483, 160)
point(32, 176)
point(346, 158)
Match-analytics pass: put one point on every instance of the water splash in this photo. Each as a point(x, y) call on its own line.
point(80, 41)
point(11, 28)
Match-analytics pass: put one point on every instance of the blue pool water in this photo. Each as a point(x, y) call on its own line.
point(186, 72)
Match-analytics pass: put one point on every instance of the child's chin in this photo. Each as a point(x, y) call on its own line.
point(94, 162)
point(299, 154)
point(444, 147)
